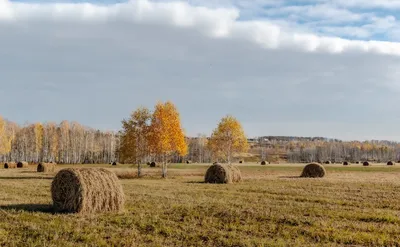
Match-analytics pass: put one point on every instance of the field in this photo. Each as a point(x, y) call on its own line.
point(354, 206)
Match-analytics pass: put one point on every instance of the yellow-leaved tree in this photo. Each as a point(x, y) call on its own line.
point(134, 137)
point(166, 136)
point(228, 138)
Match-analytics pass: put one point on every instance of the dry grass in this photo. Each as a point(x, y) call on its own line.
point(313, 170)
point(46, 167)
point(10, 165)
point(351, 206)
point(126, 174)
point(22, 164)
point(87, 190)
point(222, 174)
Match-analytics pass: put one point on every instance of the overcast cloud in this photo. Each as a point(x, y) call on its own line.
point(323, 69)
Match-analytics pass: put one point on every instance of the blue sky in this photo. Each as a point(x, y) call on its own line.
point(311, 68)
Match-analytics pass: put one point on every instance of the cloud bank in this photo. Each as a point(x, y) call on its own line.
point(96, 63)
point(215, 22)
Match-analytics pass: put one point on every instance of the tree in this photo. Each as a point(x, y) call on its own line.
point(166, 136)
point(228, 138)
point(134, 137)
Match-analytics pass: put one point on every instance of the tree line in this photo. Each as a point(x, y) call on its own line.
point(63, 143)
point(157, 136)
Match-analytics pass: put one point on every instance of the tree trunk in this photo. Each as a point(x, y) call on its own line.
point(139, 170)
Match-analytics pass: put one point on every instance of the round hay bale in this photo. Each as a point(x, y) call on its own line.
point(240, 161)
point(263, 163)
point(46, 167)
point(222, 174)
point(188, 162)
point(10, 165)
point(346, 163)
point(366, 163)
point(22, 164)
point(357, 162)
point(313, 170)
point(390, 163)
point(114, 163)
point(87, 190)
point(328, 162)
point(153, 164)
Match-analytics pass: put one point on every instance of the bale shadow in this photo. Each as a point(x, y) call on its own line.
point(36, 177)
point(33, 208)
point(289, 177)
point(195, 182)
point(28, 172)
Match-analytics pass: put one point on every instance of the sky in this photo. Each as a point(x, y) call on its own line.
point(326, 68)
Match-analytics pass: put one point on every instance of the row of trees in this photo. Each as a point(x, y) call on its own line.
point(337, 151)
point(158, 136)
point(67, 142)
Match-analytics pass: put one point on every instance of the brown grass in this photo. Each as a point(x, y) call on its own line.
point(46, 167)
point(126, 174)
point(87, 190)
point(313, 170)
point(10, 165)
point(222, 174)
point(22, 164)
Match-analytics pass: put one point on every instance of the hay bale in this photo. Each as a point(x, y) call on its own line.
point(346, 163)
point(240, 161)
point(390, 163)
point(357, 162)
point(87, 190)
point(10, 165)
point(313, 170)
point(153, 164)
point(366, 163)
point(22, 164)
point(222, 174)
point(263, 162)
point(46, 167)
point(114, 163)
point(327, 162)
point(188, 162)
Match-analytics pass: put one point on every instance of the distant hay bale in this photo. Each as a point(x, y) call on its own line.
point(153, 164)
point(263, 162)
point(10, 165)
point(87, 190)
point(328, 162)
point(188, 162)
point(357, 162)
point(366, 163)
point(22, 164)
point(114, 163)
point(240, 161)
point(222, 174)
point(46, 167)
point(346, 163)
point(313, 170)
point(390, 163)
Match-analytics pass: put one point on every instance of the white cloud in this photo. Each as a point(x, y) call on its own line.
point(213, 22)
point(95, 64)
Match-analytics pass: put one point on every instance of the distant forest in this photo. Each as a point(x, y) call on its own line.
point(71, 142)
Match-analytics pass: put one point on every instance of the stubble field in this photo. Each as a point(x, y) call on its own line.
point(354, 206)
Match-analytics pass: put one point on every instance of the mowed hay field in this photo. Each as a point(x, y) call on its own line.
point(272, 206)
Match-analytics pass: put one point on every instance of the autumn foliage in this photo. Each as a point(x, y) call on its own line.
point(228, 139)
